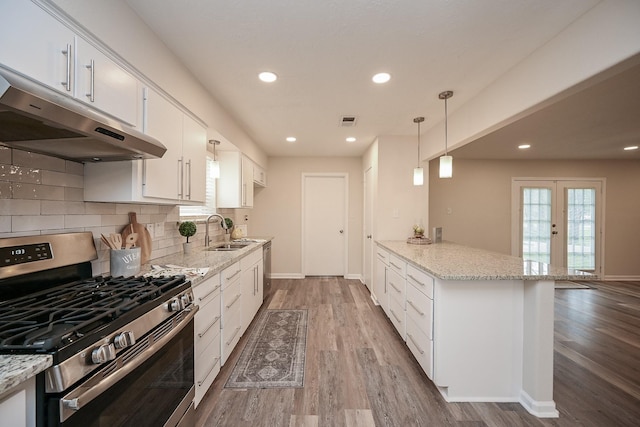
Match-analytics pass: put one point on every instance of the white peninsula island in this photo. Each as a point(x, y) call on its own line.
point(479, 323)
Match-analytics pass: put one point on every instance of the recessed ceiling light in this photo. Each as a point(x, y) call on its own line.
point(381, 78)
point(524, 146)
point(632, 147)
point(291, 139)
point(268, 76)
point(351, 139)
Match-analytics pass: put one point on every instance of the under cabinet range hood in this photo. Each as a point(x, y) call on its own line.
point(39, 119)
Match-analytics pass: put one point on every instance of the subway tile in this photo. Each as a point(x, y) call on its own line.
point(36, 222)
point(20, 174)
point(5, 190)
point(31, 160)
point(125, 208)
point(62, 179)
point(5, 224)
point(32, 191)
point(20, 234)
point(20, 207)
point(75, 194)
point(5, 155)
point(100, 208)
point(74, 168)
point(50, 207)
point(120, 220)
point(150, 209)
point(82, 221)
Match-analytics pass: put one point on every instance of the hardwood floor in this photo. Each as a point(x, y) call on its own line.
point(360, 373)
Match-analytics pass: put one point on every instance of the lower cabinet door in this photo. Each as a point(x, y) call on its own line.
point(421, 346)
point(207, 367)
point(398, 317)
point(231, 332)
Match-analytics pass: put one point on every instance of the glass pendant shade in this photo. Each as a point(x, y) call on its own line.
point(418, 176)
point(446, 166)
point(214, 173)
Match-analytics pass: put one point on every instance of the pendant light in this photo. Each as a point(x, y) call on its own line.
point(214, 172)
point(418, 173)
point(446, 161)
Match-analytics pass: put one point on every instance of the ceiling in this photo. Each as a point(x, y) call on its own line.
point(325, 53)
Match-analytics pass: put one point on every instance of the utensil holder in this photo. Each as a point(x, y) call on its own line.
point(125, 262)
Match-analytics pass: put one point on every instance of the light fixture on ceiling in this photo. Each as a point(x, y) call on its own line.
point(524, 146)
point(291, 139)
point(381, 78)
point(268, 76)
point(214, 172)
point(446, 161)
point(630, 148)
point(350, 139)
point(418, 173)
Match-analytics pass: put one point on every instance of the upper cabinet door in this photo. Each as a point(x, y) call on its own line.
point(104, 85)
point(194, 152)
point(37, 45)
point(163, 121)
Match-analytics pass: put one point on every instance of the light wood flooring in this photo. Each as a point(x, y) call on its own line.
point(360, 373)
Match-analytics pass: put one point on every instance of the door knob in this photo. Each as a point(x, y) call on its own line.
point(341, 231)
point(368, 236)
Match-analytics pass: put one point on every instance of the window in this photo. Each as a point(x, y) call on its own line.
point(210, 202)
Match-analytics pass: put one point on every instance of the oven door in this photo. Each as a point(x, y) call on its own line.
point(153, 384)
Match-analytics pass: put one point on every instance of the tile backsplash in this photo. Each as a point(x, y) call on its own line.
point(44, 195)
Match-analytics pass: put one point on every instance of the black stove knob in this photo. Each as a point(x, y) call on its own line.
point(124, 339)
point(102, 354)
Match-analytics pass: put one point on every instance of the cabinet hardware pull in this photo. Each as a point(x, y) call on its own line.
point(381, 256)
point(416, 280)
point(201, 334)
point(180, 171)
point(233, 275)
point(188, 196)
point(394, 287)
point(67, 53)
point(415, 308)
point(234, 301)
point(394, 315)
point(209, 293)
point(234, 335)
point(91, 94)
point(215, 362)
point(396, 266)
point(415, 343)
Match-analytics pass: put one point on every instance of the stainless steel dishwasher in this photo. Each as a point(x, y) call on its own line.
point(266, 257)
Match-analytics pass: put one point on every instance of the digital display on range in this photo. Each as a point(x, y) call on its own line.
point(12, 255)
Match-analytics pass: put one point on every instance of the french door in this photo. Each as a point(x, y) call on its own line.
point(558, 222)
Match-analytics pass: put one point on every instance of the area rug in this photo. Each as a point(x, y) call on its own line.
point(274, 355)
point(567, 284)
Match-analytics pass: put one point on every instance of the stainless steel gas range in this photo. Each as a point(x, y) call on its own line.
point(122, 347)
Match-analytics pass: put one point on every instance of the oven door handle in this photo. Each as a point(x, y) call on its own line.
point(84, 394)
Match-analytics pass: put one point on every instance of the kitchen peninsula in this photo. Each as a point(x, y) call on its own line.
point(479, 323)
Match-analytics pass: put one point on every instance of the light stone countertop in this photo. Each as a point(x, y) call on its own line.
point(450, 261)
point(15, 369)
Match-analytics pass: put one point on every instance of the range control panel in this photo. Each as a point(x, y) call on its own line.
point(13, 255)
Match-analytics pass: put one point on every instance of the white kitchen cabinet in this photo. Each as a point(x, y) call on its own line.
point(252, 281)
point(259, 176)
point(36, 44)
point(235, 185)
point(18, 405)
point(380, 290)
point(207, 334)
point(231, 309)
point(104, 85)
point(179, 177)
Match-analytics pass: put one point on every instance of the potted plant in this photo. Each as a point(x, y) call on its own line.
point(187, 229)
point(229, 223)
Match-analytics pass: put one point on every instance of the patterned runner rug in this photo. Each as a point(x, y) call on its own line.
point(275, 352)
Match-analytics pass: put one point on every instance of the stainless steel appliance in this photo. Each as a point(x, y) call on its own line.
point(266, 280)
point(122, 347)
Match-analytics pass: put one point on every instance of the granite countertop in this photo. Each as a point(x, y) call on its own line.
point(451, 261)
point(15, 369)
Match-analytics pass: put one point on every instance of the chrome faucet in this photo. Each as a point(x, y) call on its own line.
point(223, 224)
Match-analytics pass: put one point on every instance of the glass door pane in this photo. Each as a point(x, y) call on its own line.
point(581, 228)
point(536, 224)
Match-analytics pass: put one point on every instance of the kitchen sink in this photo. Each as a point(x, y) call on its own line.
point(233, 246)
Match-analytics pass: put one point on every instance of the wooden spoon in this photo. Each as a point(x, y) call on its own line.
point(116, 239)
point(131, 241)
point(106, 241)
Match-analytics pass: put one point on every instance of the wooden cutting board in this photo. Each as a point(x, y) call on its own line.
point(144, 238)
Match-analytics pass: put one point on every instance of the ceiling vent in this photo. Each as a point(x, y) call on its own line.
point(348, 121)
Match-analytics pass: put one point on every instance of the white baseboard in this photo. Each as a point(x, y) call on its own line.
point(287, 276)
point(355, 277)
point(541, 409)
point(621, 278)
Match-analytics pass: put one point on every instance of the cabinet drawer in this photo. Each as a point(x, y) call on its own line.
point(396, 287)
point(206, 291)
point(398, 317)
point(248, 261)
point(420, 310)
point(398, 265)
point(382, 255)
point(231, 333)
point(207, 366)
point(422, 280)
point(421, 346)
point(230, 275)
point(207, 324)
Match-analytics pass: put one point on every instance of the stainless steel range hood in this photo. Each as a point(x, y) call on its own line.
point(36, 118)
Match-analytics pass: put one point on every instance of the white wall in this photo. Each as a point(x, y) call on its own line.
point(277, 210)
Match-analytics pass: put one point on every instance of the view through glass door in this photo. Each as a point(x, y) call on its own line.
point(558, 222)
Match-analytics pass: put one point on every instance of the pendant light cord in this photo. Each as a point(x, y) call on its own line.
point(446, 127)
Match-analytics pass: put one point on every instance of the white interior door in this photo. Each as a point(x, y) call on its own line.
point(368, 227)
point(558, 222)
point(324, 224)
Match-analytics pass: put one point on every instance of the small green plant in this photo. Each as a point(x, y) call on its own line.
point(229, 223)
point(187, 229)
